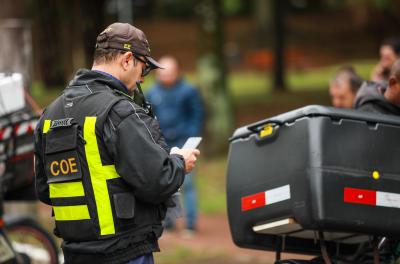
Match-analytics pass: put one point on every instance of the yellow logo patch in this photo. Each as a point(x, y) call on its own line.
point(64, 166)
point(109, 29)
point(127, 46)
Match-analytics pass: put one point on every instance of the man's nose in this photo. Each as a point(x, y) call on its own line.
point(141, 80)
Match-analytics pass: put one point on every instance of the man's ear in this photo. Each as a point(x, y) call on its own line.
point(126, 60)
point(393, 82)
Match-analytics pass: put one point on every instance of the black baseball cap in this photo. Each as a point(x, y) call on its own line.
point(123, 36)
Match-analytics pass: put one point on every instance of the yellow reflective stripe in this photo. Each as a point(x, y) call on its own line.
point(99, 175)
point(46, 126)
point(70, 213)
point(66, 189)
point(110, 172)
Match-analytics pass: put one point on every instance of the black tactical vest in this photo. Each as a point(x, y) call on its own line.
point(90, 200)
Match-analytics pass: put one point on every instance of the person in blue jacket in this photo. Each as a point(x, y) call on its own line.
point(179, 109)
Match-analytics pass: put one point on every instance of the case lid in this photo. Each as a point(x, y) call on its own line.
point(316, 111)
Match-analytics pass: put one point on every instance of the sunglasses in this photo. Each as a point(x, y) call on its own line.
point(146, 70)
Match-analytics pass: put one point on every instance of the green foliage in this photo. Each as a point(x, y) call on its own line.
point(44, 95)
point(232, 7)
point(149, 81)
point(177, 8)
point(210, 181)
point(382, 4)
point(38, 89)
point(216, 97)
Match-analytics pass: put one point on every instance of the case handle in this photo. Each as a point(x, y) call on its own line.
point(267, 133)
point(257, 127)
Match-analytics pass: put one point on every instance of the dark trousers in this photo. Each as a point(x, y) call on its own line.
point(145, 259)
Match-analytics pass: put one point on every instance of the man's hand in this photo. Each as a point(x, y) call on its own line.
point(189, 155)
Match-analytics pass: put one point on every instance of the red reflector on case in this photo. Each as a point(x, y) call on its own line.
point(253, 201)
point(359, 196)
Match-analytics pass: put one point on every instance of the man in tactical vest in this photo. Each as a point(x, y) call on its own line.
point(101, 161)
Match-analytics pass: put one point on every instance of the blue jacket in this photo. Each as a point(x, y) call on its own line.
point(179, 110)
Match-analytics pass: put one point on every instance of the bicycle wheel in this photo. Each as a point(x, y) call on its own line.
point(30, 239)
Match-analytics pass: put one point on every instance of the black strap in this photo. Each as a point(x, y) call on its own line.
point(140, 100)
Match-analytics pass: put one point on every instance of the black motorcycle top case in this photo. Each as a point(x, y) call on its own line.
point(322, 168)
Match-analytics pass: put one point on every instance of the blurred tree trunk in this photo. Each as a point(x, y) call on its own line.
point(279, 45)
point(64, 36)
point(94, 22)
point(212, 75)
point(46, 36)
point(262, 14)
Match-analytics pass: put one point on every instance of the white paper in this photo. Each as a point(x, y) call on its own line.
point(192, 143)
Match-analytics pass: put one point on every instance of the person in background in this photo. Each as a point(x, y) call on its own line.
point(389, 53)
point(343, 87)
point(179, 110)
point(376, 98)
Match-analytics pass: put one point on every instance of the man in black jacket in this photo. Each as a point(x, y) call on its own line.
point(374, 97)
point(101, 160)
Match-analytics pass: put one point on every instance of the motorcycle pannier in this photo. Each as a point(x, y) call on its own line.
point(16, 155)
point(310, 170)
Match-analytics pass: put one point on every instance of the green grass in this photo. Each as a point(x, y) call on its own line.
point(260, 83)
point(246, 87)
point(319, 78)
point(210, 181)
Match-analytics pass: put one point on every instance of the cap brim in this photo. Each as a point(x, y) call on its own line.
point(153, 63)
